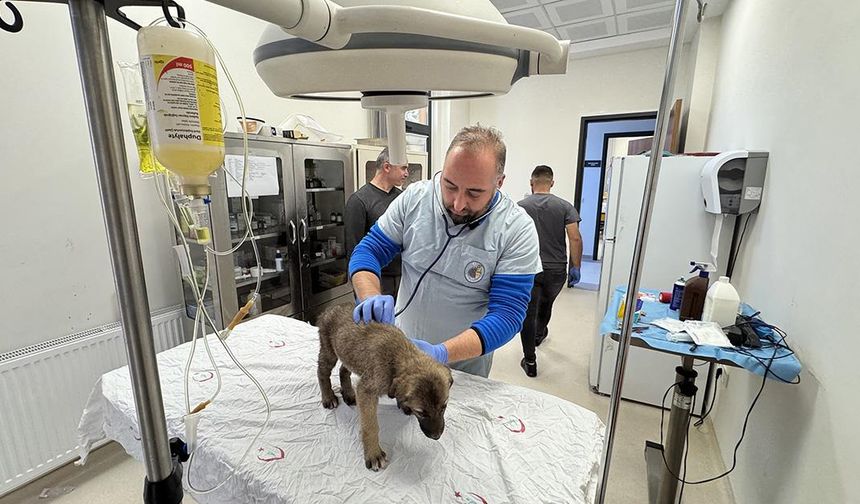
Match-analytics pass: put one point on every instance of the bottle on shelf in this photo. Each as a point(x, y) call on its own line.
point(279, 261)
point(693, 299)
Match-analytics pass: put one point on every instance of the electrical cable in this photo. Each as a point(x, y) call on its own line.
point(776, 345)
point(733, 254)
point(686, 450)
point(701, 420)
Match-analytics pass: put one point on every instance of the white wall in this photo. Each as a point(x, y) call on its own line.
point(787, 83)
point(540, 117)
point(704, 51)
point(54, 263)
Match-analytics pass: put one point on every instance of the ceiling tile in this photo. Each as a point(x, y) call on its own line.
point(554, 33)
point(590, 30)
point(623, 6)
point(532, 18)
point(574, 11)
point(512, 5)
point(645, 20)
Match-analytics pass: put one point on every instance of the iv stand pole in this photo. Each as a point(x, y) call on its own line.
point(675, 44)
point(163, 484)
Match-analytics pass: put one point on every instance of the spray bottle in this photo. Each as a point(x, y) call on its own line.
point(695, 290)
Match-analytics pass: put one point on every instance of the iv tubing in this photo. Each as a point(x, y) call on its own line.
point(199, 298)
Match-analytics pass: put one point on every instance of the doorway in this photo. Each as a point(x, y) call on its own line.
point(597, 146)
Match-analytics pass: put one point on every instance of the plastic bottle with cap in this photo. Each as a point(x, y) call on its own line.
point(695, 290)
point(721, 303)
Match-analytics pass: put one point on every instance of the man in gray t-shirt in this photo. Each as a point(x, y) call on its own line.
point(555, 220)
point(367, 204)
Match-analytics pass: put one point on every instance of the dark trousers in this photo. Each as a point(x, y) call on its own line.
point(546, 288)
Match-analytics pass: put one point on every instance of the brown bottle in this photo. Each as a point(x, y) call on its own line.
point(695, 291)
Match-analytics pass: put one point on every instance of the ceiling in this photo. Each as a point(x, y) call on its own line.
point(604, 25)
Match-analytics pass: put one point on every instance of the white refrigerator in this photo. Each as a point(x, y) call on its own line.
point(681, 231)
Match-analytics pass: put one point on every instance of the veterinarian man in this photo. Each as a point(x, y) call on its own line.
point(367, 204)
point(555, 219)
point(469, 254)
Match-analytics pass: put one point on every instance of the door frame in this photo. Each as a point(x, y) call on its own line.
point(584, 122)
point(602, 187)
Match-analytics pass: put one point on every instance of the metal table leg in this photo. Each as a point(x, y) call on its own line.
point(662, 483)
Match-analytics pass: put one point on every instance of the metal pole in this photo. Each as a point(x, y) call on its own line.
point(89, 28)
point(666, 101)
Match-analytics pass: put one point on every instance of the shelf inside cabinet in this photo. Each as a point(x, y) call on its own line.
point(323, 262)
point(320, 227)
point(323, 189)
point(263, 236)
point(250, 281)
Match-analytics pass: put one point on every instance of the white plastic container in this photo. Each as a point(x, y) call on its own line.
point(182, 102)
point(721, 303)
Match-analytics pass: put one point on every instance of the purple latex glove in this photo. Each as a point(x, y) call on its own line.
point(439, 352)
point(378, 308)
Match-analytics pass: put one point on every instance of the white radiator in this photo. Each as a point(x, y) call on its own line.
point(43, 390)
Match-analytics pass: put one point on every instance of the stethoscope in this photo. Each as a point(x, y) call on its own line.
point(437, 202)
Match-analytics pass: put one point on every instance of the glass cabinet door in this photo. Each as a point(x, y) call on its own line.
point(274, 234)
point(416, 172)
point(327, 175)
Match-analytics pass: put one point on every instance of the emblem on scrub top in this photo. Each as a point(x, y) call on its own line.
point(474, 272)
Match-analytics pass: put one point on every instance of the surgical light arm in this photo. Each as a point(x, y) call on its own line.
point(328, 24)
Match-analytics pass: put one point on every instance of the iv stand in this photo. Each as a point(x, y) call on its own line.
point(163, 484)
point(675, 44)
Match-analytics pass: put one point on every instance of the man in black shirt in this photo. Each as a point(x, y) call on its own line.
point(555, 220)
point(367, 204)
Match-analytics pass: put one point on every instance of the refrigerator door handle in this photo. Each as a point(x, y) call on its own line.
point(610, 240)
point(293, 234)
point(303, 225)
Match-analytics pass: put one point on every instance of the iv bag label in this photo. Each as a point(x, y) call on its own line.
point(183, 94)
point(753, 193)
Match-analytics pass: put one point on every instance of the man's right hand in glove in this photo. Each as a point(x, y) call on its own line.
point(573, 276)
point(378, 308)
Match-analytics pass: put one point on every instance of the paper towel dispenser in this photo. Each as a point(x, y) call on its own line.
point(733, 182)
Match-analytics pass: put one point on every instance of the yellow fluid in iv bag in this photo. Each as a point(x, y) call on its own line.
point(148, 164)
point(133, 83)
point(183, 107)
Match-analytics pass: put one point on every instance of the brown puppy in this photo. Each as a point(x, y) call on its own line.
point(386, 363)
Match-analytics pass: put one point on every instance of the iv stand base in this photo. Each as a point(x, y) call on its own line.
point(654, 468)
point(664, 463)
point(166, 491)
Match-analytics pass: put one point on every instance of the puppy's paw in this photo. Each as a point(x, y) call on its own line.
point(375, 459)
point(329, 402)
point(349, 398)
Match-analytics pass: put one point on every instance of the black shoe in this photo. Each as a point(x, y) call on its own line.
point(539, 339)
point(529, 367)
